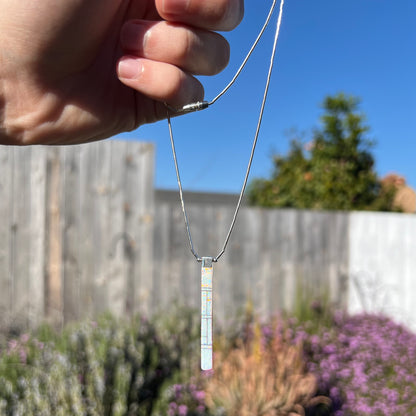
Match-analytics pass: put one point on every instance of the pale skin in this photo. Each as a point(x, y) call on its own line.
point(74, 71)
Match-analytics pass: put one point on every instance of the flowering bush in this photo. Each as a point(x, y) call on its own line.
point(108, 369)
point(187, 400)
point(367, 365)
point(344, 366)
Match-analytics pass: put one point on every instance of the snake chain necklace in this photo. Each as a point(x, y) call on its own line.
point(207, 262)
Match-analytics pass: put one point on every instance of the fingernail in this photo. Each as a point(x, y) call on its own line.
point(175, 6)
point(129, 68)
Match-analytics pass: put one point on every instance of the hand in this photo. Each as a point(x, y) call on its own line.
point(73, 71)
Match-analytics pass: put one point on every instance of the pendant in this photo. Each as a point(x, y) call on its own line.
point(206, 313)
point(207, 271)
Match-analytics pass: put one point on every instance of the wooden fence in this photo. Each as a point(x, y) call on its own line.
point(272, 256)
point(76, 223)
point(81, 234)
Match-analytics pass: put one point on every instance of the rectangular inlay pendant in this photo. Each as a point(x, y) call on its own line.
point(206, 313)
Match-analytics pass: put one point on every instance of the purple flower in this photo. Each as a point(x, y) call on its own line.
point(199, 395)
point(12, 345)
point(183, 410)
point(330, 349)
point(187, 399)
point(200, 409)
point(267, 331)
point(334, 392)
point(366, 364)
point(177, 391)
point(23, 355)
point(192, 387)
point(173, 407)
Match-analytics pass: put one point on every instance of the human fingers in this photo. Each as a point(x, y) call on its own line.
point(195, 51)
point(159, 81)
point(206, 14)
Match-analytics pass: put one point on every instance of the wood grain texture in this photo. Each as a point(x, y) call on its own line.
point(81, 234)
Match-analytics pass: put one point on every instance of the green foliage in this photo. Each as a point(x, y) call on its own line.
point(312, 312)
point(335, 171)
point(105, 368)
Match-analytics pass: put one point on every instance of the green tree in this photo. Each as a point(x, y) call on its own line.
point(334, 171)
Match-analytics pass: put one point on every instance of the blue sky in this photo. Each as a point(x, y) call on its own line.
point(365, 48)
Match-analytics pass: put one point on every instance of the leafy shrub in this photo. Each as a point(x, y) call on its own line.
point(333, 171)
point(107, 369)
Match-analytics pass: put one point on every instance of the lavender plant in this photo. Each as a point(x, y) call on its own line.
point(104, 369)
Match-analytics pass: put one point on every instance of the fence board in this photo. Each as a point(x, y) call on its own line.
point(224, 284)
point(271, 260)
point(178, 257)
point(139, 226)
point(87, 241)
point(339, 257)
point(145, 195)
point(20, 235)
point(53, 241)
point(161, 265)
point(102, 230)
point(6, 166)
point(116, 284)
point(37, 235)
point(71, 229)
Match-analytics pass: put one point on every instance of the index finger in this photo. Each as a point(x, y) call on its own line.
point(221, 15)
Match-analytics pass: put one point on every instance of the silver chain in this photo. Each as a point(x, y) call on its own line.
point(205, 104)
